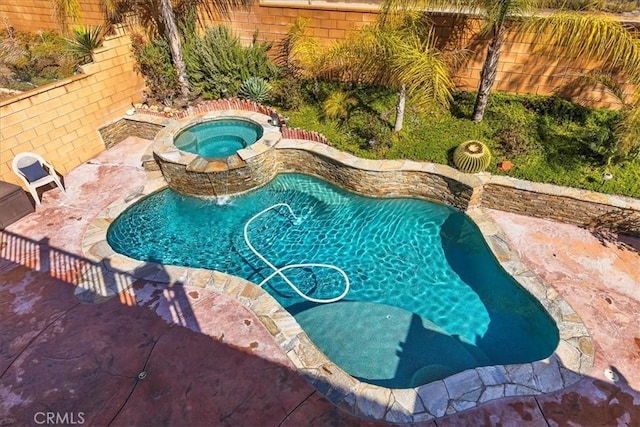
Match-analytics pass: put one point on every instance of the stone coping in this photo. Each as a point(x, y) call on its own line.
point(573, 357)
point(165, 148)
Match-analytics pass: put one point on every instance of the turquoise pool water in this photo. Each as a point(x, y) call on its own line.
point(218, 138)
point(427, 299)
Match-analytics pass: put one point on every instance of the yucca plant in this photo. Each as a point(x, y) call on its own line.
point(84, 41)
point(255, 89)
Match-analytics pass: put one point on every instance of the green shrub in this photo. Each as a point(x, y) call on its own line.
point(255, 89)
point(371, 131)
point(555, 107)
point(153, 61)
point(218, 64)
point(315, 91)
point(513, 140)
point(29, 60)
point(287, 94)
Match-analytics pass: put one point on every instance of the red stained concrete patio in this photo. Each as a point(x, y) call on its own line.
point(209, 361)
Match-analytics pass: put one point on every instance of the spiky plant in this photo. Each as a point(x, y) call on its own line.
point(255, 89)
point(218, 63)
point(338, 105)
point(84, 41)
point(472, 157)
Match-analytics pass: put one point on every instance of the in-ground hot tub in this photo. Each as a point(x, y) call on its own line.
point(217, 153)
point(219, 138)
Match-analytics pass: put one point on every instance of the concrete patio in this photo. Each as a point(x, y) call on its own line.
point(128, 361)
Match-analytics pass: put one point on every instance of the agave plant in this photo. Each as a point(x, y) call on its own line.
point(84, 41)
point(255, 89)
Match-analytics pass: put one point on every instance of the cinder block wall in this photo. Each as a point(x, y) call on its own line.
point(33, 15)
point(520, 70)
point(60, 121)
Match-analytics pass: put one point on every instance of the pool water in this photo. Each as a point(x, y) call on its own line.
point(218, 138)
point(427, 298)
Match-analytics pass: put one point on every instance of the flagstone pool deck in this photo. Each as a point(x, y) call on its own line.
point(185, 356)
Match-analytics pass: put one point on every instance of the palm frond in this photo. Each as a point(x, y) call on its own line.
point(300, 53)
point(338, 105)
point(390, 8)
point(65, 10)
point(360, 57)
point(628, 130)
point(592, 36)
point(603, 78)
point(422, 69)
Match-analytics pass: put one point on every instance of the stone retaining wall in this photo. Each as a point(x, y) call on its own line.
point(588, 209)
point(123, 128)
point(189, 173)
point(378, 183)
point(221, 177)
point(595, 211)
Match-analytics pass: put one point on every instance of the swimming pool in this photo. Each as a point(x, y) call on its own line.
point(427, 297)
point(218, 138)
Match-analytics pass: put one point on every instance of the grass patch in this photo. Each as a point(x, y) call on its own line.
point(548, 139)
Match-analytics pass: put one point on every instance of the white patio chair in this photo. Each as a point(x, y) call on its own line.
point(35, 172)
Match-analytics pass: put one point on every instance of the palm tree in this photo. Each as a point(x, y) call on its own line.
point(582, 35)
point(175, 45)
point(300, 55)
point(158, 18)
point(493, 15)
point(399, 52)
